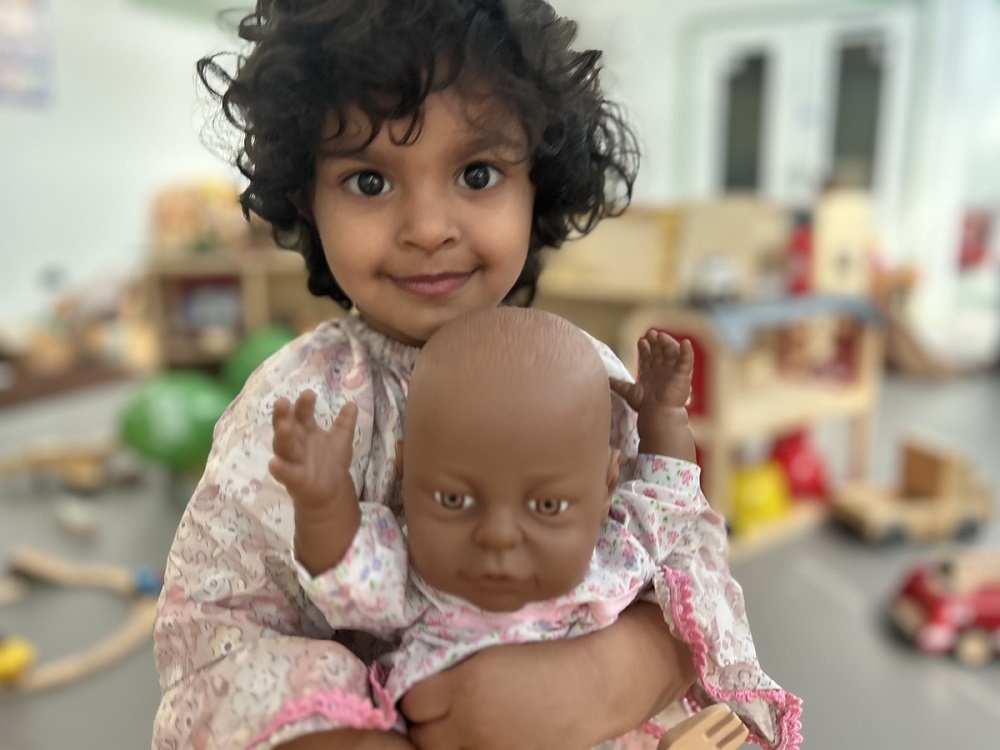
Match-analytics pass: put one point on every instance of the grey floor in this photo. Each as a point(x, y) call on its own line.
point(816, 602)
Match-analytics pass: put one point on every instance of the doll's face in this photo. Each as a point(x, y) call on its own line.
point(419, 233)
point(505, 497)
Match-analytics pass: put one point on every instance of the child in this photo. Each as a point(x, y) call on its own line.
point(508, 478)
point(419, 155)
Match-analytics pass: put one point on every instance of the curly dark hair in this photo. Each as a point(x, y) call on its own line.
point(309, 58)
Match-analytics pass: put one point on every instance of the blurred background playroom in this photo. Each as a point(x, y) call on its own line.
point(816, 210)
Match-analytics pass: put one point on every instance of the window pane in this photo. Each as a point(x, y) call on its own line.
point(859, 90)
point(744, 123)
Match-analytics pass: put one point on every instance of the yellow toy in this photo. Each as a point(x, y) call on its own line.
point(16, 655)
point(760, 494)
point(19, 674)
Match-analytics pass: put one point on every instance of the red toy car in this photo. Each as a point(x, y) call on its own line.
point(953, 607)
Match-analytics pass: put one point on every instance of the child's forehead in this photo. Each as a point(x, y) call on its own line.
point(482, 120)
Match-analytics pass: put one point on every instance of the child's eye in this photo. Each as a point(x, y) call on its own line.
point(480, 176)
point(452, 500)
point(369, 182)
point(548, 506)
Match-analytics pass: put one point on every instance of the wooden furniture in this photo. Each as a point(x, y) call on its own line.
point(741, 394)
point(203, 304)
point(725, 247)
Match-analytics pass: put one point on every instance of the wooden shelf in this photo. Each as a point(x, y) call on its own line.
point(204, 304)
point(784, 405)
point(735, 406)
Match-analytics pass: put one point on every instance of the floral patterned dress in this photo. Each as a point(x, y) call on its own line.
point(244, 651)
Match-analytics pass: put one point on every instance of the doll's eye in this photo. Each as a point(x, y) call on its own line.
point(480, 176)
point(453, 501)
point(548, 506)
point(368, 182)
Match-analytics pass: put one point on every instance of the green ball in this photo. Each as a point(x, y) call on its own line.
point(251, 353)
point(170, 418)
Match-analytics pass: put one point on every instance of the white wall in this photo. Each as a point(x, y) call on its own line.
point(77, 174)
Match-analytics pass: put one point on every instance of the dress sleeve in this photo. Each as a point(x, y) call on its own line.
point(243, 657)
point(701, 602)
point(367, 590)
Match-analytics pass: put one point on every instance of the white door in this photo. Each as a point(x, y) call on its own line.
point(783, 109)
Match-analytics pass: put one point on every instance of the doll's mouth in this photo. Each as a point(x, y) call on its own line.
point(501, 583)
point(433, 285)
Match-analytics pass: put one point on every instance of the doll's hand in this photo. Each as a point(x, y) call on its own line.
point(665, 369)
point(313, 463)
point(659, 395)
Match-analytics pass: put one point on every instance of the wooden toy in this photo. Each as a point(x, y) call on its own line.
point(140, 586)
point(81, 466)
point(953, 607)
point(713, 728)
point(938, 496)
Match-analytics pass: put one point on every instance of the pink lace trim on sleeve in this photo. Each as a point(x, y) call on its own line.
point(346, 710)
point(687, 624)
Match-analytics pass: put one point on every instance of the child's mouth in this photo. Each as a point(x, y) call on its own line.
point(433, 285)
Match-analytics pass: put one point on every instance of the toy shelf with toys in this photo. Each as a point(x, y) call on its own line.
point(751, 385)
point(779, 308)
point(203, 304)
point(214, 278)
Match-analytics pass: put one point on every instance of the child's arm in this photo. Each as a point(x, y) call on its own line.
point(314, 466)
point(569, 694)
point(660, 394)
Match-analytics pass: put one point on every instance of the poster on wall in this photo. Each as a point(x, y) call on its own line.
point(25, 52)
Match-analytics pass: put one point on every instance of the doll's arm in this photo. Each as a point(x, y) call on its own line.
point(314, 466)
point(660, 394)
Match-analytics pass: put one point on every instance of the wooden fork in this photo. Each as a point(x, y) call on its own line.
point(712, 728)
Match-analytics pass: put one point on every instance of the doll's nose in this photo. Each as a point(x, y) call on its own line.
point(498, 530)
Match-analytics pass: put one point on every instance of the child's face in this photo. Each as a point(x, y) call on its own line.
point(418, 234)
point(504, 501)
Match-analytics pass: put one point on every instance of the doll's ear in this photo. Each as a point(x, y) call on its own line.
point(399, 459)
point(614, 461)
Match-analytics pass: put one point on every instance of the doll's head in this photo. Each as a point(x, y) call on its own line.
point(506, 466)
point(331, 75)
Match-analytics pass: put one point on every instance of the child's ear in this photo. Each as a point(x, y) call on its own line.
point(399, 459)
point(614, 462)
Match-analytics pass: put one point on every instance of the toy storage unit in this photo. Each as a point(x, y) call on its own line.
point(202, 305)
point(750, 385)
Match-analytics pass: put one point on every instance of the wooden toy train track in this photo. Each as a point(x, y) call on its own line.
point(18, 674)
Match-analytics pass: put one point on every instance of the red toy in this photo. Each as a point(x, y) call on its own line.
point(803, 464)
point(953, 607)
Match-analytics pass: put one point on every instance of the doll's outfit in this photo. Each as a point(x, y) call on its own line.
point(243, 648)
point(373, 588)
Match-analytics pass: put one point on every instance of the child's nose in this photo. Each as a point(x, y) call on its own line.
point(429, 221)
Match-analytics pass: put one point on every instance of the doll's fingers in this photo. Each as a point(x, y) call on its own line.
point(281, 411)
point(305, 408)
point(282, 471)
point(347, 417)
point(631, 392)
point(686, 363)
point(644, 346)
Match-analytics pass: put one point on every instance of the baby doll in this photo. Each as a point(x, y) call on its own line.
point(516, 527)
